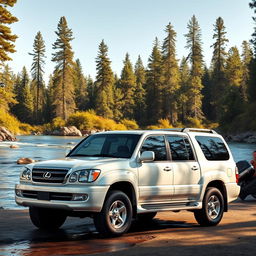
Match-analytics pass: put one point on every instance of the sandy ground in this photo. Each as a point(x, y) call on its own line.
point(169, 234)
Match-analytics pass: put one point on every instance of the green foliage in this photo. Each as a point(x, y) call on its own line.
point(194, 45)
point(37, 76)
point(90, 121)
point(64, 89)
point(127, 84)
point(130, 124)
point(7, 38)
point(154, 84)
point(57, 123)
point(104, 83)
point(161, 124)
point(171, 81)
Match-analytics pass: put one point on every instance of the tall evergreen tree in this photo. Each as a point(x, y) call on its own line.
point(194, 45)
point(207, 107)
point(7, 38)
point(37, 75)
point(7, 96)
point(24, 109)
point(64, 94)
point(140, 93)
point(91, 93)
point(218, 66)
point(171, 83)
point(81, 93)
point(104, 83)
point(247, 56)
point(184, 90)
point(232, 102)
point(252, 5)
point(154, 85)
point(127, 84)
point(118, 99)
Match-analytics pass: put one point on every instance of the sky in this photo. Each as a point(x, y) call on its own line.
point(126, 26)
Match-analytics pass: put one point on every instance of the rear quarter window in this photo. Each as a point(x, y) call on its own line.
point(213, 148)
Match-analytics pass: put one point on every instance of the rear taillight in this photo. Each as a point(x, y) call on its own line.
point(237, 175)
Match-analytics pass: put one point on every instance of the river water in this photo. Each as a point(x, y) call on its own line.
point(52, 147)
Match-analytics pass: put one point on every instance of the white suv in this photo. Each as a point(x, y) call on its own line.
point(120, 175)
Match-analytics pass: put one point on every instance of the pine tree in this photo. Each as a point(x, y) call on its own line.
point(154, 85)
point(24, 109)
point(171, 83)
point(194, 45)
point(7, 38)
point(232, 101)
point(207, 107)
point(140, 93)
point(91, 93)
point(7, 96)
point(64, 94)
point(49, 109)
point(104, 83)
point(184, 90)
point(127, 85)
point(118, 100)
point(218, 66)
point(81, 93)
point(37, 75)
point(252, 5)
point(247, 56)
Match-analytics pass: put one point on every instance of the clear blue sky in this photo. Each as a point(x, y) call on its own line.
point(126, 26)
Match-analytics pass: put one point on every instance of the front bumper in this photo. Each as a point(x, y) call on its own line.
point(94, 197)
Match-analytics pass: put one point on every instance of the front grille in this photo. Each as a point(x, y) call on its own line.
point(49, 175)
point(52, 195)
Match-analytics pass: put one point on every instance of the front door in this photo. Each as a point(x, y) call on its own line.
point(186, 169)
point(155, 178)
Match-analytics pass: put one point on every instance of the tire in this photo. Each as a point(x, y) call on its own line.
point(116, 215)
point(47, 219)
point(146, 217)
point(213, 208)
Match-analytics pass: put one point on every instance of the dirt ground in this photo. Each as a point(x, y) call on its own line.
point(169, 234)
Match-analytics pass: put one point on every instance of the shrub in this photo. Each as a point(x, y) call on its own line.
point(161, 124)
point(9, 122)
point(57, 123)
point(130, 124)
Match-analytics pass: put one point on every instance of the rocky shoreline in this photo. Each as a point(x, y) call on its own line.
point(245, 137)
point(6, 135)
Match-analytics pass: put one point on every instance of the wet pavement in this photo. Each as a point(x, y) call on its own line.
point(169, 233)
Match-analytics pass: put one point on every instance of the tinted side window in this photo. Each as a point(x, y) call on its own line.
point(180, 148)
point(213, 148)
point(157, 145)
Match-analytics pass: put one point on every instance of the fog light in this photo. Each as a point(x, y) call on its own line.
point(79, 197)
point(18, 192)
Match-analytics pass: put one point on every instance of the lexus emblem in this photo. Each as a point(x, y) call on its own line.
point(47, 175)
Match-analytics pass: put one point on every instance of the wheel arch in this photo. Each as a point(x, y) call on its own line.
point(127, 188)
point(221, 187)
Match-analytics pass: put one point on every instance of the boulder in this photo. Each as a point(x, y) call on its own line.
point(6, 135)
point(67, 131)
point(14, 146)
point(25, 160)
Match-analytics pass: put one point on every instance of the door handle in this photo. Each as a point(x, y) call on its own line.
point(167, 169)
point(194, 168)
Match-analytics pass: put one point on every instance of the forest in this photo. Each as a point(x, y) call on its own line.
point(163, 93)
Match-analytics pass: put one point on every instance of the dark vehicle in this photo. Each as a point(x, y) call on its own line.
point(247, 180)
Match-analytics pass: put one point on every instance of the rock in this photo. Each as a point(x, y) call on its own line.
point(6, 135)
point(14, 146)
point(25, 160)
point(67, 131)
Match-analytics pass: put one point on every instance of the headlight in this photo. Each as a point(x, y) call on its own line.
point(25, 174)
point(84, 176)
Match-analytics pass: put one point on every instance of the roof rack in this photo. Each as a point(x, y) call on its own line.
point(186, 129)
point(198, 130)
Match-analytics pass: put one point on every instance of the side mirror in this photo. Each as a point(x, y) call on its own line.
point(147, 156)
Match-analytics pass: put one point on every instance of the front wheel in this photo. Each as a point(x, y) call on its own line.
point(48, 219)
point(116, 215)
point(213, 208)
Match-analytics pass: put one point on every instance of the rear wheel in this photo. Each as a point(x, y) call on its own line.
point(116, 215)
point(213, 208)
point(48, 219)
point(146, 217)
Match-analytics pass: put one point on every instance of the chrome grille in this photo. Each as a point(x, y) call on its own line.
point(47, 175)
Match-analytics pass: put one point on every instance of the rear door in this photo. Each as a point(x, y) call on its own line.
point(185, 168)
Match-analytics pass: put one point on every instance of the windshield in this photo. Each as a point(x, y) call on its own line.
point(107, 145)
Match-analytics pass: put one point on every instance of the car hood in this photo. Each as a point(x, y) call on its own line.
point(78, 162)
